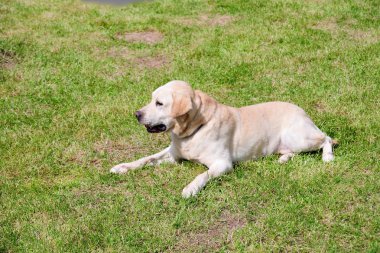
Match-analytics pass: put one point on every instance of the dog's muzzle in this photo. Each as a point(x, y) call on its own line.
point(155, 129)
point(151, 129)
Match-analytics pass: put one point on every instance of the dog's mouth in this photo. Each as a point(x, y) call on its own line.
point(155, 129)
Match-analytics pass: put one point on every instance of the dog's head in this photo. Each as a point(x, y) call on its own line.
point(169, 103)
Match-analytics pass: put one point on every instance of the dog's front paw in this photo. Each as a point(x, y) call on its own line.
point(121, 168)
point(190, 190)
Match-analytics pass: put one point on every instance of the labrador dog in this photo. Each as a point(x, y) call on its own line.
point(217, 135)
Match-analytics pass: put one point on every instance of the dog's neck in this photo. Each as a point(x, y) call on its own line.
point(190, 123)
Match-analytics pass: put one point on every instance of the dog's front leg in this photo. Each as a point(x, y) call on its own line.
point(163, 156)
point(216, 169)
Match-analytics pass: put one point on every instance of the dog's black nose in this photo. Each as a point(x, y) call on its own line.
point(138, 115)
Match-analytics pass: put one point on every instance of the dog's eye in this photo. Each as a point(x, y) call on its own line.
point(158, 103)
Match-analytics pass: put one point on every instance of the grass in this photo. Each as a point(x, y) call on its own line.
point(70, 82)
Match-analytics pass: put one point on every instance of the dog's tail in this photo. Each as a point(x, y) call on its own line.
point(327, 154)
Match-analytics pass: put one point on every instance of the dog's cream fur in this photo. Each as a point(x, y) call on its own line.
point(217, 135)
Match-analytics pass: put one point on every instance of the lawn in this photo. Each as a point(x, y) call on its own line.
point(72, 74)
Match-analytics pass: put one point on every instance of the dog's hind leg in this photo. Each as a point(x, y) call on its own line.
point(163, 156)
point(285, 157)
point(304, 136)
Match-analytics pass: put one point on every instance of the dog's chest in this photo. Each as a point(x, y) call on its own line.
point(203, 148)
point(188, 149)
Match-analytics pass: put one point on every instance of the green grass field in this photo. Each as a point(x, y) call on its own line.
point(73, 73)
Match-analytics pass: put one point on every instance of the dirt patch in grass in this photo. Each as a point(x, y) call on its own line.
point(218, 20)
point(7, 60)
point(122, 52)
point(118, 149)
point(366, 36)
point(215, 236)
point(151, 62)
point(76, 157)
point(129, 59)
point(331, 26)
point(104, 150)
point(109, 146)
point(137, 59)
point(83, 159)
point(48, 15)
point(148, 37)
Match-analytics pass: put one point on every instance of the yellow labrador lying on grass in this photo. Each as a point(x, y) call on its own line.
point(217, 135)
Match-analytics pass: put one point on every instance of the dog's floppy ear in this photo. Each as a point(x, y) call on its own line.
point(182, 104)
